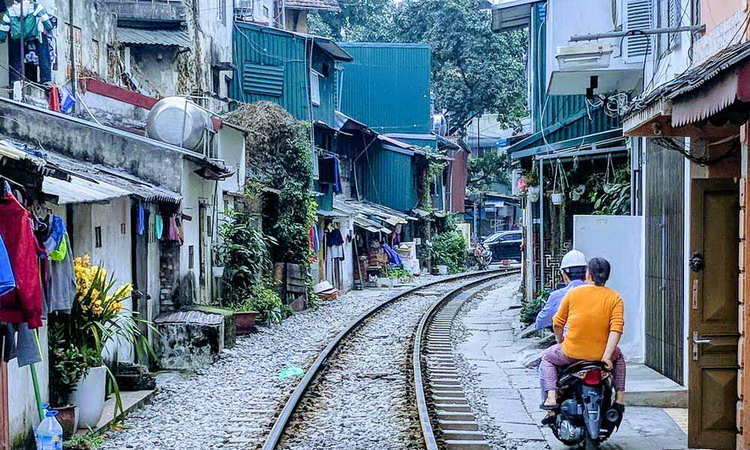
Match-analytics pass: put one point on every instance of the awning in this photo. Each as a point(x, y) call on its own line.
point(164, 38)
point(333, 49)
point(702, 92)
point(511, 14)
point(375, 214)
point(78, 190)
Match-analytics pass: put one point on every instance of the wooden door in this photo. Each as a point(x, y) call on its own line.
point(713, 305)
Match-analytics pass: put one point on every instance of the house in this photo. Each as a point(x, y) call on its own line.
point(286, 15)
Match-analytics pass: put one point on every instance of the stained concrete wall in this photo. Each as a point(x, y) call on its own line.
point(148, 159)
point(155, 70)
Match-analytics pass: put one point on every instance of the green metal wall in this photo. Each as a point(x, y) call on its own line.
point(254, 44)
point(387, 86)
point(388, 177)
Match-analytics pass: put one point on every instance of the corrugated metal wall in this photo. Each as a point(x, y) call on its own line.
point(388, 178)
point(254, 44)
point(387, 86)
point(664, 261)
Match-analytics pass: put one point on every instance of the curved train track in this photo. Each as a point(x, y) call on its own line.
point(443, 413)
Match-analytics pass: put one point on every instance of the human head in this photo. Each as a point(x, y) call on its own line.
point(598, 271)
point(573, 266)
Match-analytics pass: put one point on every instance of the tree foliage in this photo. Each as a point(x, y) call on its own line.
point(487, 170)
point(474, 71)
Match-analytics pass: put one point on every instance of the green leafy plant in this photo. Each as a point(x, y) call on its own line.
point(449, 248)
point(84, 441)
point(264, 298)
point(530, 308)
point(610, 198)
point(398, 273)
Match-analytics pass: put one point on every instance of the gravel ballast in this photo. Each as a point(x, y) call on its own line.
point(233, 402)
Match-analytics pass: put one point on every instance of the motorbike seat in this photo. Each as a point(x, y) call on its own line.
point(583, 365)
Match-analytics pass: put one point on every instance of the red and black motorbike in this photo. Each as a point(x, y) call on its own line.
point(588, 414)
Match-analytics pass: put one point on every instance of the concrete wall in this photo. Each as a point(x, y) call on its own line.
point(155, 70)
point(593, 236)
point(21, 401)
point(148, 159)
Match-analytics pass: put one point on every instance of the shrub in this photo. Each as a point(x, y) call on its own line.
point(263, 298)
point(449, 249)
point(531, 308)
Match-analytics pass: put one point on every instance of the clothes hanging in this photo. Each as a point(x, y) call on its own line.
point(329, 173)
point(60, 288)
point(159, 226)
point(29, 25)
point(7, 281)
point(335, 238)
point(140, 223)
point(19, 343)
point(23, 304)
point(393, 257)
point(60, 251)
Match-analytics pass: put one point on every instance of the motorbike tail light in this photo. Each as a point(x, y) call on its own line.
point(593, 377)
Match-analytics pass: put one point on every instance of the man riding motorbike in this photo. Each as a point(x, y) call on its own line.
point(592, 316)
point(573, 270)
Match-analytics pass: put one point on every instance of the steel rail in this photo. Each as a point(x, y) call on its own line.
point(428, 432)
point(295, 399)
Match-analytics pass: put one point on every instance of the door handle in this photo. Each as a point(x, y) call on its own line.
point(699, 339)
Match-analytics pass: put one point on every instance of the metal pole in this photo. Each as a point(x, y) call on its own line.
point(72, 51)
point(22, 75)
point(541, 225)
point(616, 34)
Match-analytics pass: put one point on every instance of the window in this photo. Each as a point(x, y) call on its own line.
point(669, 14)
point(315, 88)
point(637, 16)
point(98, 237)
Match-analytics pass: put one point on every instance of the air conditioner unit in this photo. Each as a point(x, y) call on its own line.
point(584, 56)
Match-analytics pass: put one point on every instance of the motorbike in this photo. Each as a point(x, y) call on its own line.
point(483, 256)
point(587, 415)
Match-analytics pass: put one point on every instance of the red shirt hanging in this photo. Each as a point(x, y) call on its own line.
point(23, 304)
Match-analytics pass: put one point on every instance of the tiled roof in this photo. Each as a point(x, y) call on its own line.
point(328, 5)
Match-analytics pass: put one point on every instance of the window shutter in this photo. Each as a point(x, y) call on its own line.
point(263, 80)
point(675, 16)
point(315, 88)
point(638, 16)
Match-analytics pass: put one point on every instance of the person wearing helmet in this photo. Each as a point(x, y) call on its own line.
point(573, 270)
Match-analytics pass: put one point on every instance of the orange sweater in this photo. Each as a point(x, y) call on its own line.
point(591, 313)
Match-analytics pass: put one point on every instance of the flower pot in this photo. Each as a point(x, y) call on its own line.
point(533, 193)
point(68, 418)
point(557, 198)
point(217, 271)
point(245, 322)
point(88, 396)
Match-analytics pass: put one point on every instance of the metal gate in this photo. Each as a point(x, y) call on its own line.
point(665, 175)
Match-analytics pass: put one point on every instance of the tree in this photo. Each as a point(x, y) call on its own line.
point(487, 170)
point(474, 71)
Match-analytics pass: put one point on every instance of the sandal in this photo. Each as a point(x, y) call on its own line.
point(546, 407)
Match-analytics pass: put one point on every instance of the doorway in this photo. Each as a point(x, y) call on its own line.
point(713, 305)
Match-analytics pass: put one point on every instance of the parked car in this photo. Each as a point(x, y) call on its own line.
point(505, 245)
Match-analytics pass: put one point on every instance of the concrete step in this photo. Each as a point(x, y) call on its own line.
point(464, 425)
point(450, 392)
point(460, 444)
point(450, 400)
point(462, 435)
point(443, 383)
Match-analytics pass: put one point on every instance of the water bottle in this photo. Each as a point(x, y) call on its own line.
point(49, 433)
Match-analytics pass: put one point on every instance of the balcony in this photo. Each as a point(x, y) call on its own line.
point(147, 11)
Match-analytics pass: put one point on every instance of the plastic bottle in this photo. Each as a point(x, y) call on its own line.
point(49, 433)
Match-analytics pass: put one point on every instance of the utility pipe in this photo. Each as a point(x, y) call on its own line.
point(617, 34)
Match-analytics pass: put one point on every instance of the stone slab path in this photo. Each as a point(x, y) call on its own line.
point(507, 394)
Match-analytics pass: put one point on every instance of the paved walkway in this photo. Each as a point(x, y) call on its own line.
point(511, 392)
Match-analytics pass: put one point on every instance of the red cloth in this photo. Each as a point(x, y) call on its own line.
point(54, 98)
point(23, 304)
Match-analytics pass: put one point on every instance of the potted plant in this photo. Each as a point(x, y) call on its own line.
point(245, 315)
point(97, 317)
point(68, 364)
point(533, 190)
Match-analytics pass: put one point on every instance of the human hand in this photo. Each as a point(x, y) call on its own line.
point(607, 363)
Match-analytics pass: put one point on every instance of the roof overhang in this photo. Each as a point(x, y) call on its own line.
point(511, 14)
point(162, 38)
point(333, 49)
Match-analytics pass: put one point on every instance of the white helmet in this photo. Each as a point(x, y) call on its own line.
point(573, 258)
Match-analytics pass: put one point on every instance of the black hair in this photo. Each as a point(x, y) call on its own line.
point(599, 269)
point(575, 272)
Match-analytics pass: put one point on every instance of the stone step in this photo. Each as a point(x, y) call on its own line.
point(455, 415)
point(440, 383)
point(465, 444)
point(462, 435)
point(450, 392)
point(464, 425)
point(449, 408)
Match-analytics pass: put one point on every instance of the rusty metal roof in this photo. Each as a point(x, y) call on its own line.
point(327, 5)
point(166, 38)
point(695, 77)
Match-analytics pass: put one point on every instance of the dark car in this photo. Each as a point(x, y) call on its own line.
point(505, 245)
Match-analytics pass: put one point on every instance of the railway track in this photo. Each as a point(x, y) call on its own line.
point(389, 327)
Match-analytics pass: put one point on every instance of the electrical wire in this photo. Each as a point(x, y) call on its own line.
point(671, 144)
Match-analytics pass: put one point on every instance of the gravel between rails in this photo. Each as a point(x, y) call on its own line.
point(232, 403)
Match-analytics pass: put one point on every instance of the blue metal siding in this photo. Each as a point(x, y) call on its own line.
point(326, 110)
point(387, 86)
point(388, 178)
point(262, 79)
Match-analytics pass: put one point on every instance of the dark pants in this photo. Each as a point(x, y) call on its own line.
point(17, 67)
